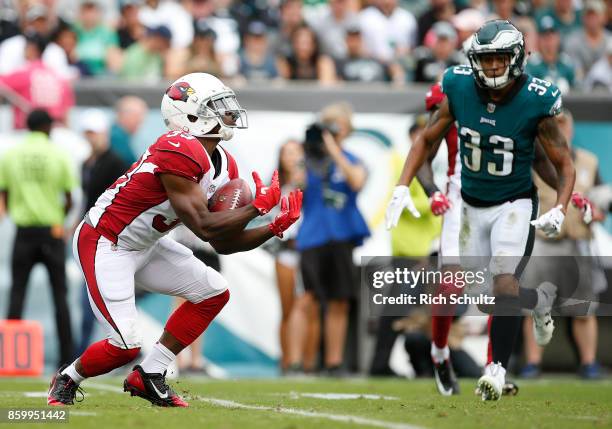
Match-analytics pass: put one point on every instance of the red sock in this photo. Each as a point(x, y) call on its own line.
point(442, 315)
point(190, 320)
point(103, 357)
point(440, 327)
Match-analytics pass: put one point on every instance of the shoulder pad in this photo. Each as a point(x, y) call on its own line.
point(185, 145)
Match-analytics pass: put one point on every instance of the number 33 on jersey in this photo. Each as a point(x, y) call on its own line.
point(497, 140)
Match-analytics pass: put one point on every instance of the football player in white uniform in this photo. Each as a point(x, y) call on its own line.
point(122, 241)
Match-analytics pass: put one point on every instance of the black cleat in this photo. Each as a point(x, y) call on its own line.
point(63, 390)
point(510, 388)
point(152, 387)
point(446, 380)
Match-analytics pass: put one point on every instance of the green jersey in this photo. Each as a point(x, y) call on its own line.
point(496, 140)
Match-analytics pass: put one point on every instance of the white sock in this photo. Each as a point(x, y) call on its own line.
point(439, 355)
point(158, 359)
point(71, 372)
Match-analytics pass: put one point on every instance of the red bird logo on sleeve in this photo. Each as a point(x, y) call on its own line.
point(180, 91)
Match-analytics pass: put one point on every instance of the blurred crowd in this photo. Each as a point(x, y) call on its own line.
point(327, 41)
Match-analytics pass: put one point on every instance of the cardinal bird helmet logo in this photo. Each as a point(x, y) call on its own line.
point(180, 91)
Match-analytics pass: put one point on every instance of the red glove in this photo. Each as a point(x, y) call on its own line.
point(291, 207)
point(439, 203)
point(585, 206)
point(266, 197)
point(434, 97)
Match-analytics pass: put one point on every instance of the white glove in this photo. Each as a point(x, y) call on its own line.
point(550, 222)
point(400, 200)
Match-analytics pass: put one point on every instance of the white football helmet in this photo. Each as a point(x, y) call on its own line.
point(197, 102)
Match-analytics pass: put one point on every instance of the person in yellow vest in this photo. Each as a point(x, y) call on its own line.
point(36, 182)
point(411, 242)
point(569, 262)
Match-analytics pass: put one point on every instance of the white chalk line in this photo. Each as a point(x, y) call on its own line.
point(344, 418)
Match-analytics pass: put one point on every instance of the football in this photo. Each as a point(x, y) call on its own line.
point(234, 194)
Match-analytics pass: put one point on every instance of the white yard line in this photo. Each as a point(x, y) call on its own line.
point(303, 413)
point(82, 413)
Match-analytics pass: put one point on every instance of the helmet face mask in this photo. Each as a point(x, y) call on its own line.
point(226, 109)
point(199, 104)
point(497, 37)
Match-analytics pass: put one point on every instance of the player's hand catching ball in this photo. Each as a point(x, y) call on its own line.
point(291, 207)
point(266, 197)
point(400, 200)
point(550, 222)
point(439, 203)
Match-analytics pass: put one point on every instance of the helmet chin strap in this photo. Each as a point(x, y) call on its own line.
point(224, 134)
point(492, 81)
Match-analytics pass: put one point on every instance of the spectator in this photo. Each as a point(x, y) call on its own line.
point(202, 56)
point(36, 85)
point(12, 50)
point(9, 20)
point(358, 67)
point(564, 16)
point(170, 15)
point(550, 63)
point(103, 166)
point(588, 45)
point(439, 10)
point(290, 19)
point(130, 29)
point(296, 322)
point(388, 30)
point(145, 59)
point(305, 62)
point(66, 38)
point(331, 28)
point(256, 60)
point(36, 181)
point(600, 75)
point(246, 11)
point(504, 9)
point(568, 262)
point(97, 44)
point(530, 33)
point(431, 62)
point(98, 172)
point(332, 226)
point(209, 14)
point(131, 112)
point(467, 22)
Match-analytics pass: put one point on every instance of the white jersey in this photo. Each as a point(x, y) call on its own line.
point(135, 211)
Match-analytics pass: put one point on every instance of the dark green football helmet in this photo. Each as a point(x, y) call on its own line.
point(497, 37)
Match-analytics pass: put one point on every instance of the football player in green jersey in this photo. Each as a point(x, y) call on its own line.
point(500, 112)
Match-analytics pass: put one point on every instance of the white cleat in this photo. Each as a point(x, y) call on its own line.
point(543, 325)
point(543, 328)
point(491, 384)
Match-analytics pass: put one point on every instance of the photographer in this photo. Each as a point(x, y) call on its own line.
point(332, 225)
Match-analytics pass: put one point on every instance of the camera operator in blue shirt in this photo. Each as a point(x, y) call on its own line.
point(332, 225)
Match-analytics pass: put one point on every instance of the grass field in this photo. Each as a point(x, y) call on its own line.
point(297, 403)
